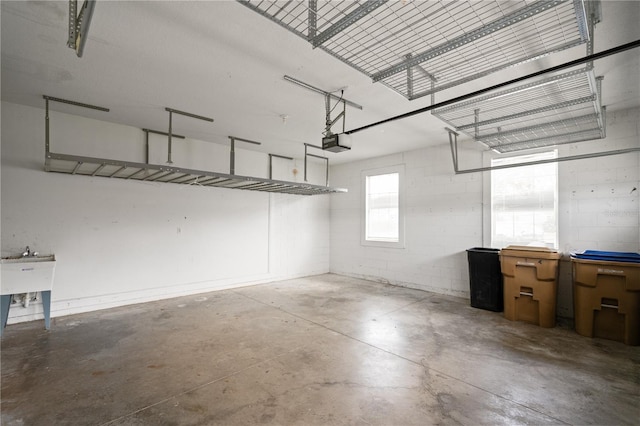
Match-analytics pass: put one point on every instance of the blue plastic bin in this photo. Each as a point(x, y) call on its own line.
point(610, 256)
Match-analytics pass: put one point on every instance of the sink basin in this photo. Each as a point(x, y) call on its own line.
point(27, 274)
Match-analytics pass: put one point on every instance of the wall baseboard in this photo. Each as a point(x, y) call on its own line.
point(415, 286)
point(59, 308)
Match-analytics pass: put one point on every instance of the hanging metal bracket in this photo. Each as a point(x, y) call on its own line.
point(79, 22)
point(411, 77)
point(592, 15)
point(271, 162)
point(312, 16)
point(329, 122)
point(330, 141)
point(146, 140)
point(320, 91)
point(170, 133)
point(306, 154)
point(232, 155)
point(363, 10)
point(46, 98)
point(453, 142)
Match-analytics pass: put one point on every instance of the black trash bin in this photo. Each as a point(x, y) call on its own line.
point(485, 279)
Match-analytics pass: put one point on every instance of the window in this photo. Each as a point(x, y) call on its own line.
point(382, 207)
point(383, 222)
point(524, 202)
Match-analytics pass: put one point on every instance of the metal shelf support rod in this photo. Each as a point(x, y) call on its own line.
point(453, 142)
point(188, 114)
point(320, 91)
point(271, 162)
point(47, 137)
point(346, 21)
point(146, 140)
point(307, 145)
point(46, 128)
point(79, 24)
point(158, 132)
point(232, 154)
point(326, 168)
point(602, 118)
point(552, 160)
point(80, 104)
point(312, 18)
point(169, 136)
point(171, 111)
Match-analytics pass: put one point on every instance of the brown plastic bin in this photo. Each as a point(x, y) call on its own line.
point(530, 276)
point(607, 299)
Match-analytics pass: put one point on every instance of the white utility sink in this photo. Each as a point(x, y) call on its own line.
point(26, 275)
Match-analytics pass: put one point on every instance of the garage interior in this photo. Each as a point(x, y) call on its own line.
point(200, 171)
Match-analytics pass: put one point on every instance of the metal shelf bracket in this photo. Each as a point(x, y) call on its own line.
point(453, 143)
point(306, 154)
point(346, 21)
point(170, 133)
point(79, 24)
point(232, 153)
point(271, 162)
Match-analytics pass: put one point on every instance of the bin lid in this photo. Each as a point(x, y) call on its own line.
point(484, 250)
point(530, 251)
point(610, 256)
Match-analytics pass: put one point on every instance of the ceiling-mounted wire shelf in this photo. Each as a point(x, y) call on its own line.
point(558, 109)
point(420, 47)
point(129, 170)
point(99, 167)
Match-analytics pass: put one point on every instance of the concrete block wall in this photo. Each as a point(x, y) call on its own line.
point(599, 198)
point(443, 217)
point(599, 208)
point(119, 242)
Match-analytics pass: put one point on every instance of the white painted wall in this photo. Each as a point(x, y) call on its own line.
point(599, 198)
point(443, 217)
point(447, 213)
point(119, 242)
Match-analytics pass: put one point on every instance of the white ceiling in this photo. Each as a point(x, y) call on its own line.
point(222, 60)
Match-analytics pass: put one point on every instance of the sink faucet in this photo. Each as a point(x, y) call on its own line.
point(28, 253)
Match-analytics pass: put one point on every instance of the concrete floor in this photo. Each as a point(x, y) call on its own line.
point(319, 350)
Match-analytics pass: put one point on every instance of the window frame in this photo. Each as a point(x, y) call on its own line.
point(400, 170)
